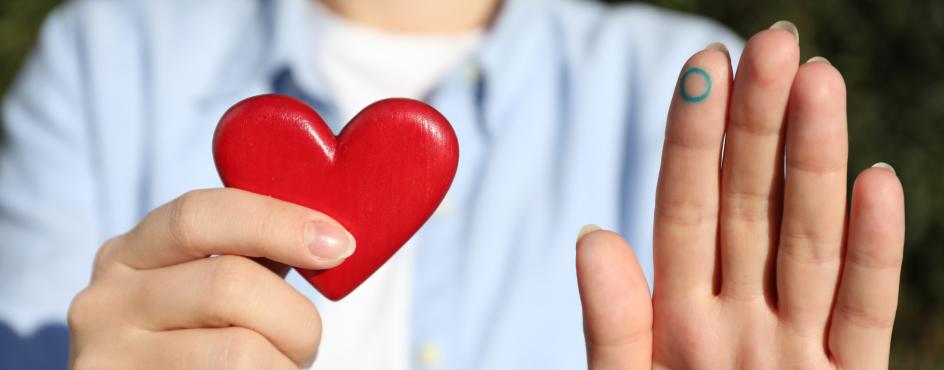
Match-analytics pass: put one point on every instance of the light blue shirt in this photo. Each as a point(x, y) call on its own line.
point(560, 117)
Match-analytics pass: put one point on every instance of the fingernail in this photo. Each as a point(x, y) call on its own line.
point(586, 229)
point(718, 47)
point(818, 59)
point(328, 241)
point(886, 166)
point(787, 26)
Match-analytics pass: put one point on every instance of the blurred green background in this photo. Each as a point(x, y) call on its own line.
point(892, 56)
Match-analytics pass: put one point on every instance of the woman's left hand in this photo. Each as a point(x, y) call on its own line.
point(758, 264)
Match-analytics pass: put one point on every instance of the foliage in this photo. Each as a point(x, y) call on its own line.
point(892, 56)
point(19, 22)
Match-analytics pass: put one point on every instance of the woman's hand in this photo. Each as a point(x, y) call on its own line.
point(158, 300)
point(757, 265)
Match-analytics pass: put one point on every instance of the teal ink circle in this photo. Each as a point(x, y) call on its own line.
point(696, 98)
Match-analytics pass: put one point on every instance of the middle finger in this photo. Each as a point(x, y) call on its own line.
point(752, 167)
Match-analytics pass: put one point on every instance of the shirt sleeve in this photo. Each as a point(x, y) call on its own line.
point(49, 227)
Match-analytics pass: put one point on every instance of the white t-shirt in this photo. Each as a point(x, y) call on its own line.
point(370, 329)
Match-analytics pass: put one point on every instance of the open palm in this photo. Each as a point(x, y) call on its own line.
point(758, 264)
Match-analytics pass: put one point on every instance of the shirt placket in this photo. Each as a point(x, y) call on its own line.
point(437, 337)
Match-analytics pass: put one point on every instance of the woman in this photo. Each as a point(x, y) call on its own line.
point(560, 111)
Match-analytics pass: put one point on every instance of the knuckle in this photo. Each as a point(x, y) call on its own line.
point(245, 349)
point(810, 247)
point(686, 213)
point(310, 333)
point(286, 221)
point(873, 258)
point(748, 207)
point(85, 361)
point(81, 312)
point(864, 316)
point(184, 213)
point(104, 256)
point(815, 162)
point(754, 120)
point(230, 279)
point(270, 224)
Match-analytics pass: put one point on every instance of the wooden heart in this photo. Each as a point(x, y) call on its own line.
point(381, 177)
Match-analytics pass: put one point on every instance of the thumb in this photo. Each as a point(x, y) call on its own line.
point(617, 311)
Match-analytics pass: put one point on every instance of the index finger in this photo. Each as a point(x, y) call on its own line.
point(202, 223)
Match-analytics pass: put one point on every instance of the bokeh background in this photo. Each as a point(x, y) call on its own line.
point(892, 56)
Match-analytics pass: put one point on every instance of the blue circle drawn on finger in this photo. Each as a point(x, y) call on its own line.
point(695, 98)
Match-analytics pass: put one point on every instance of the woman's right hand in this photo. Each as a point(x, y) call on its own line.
point(182, 290)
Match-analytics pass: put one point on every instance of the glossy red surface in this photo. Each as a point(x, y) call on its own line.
point(381, 177)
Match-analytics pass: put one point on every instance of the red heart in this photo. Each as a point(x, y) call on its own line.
point(381, 177)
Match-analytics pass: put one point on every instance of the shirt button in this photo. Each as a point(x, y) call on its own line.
point(430, 355)
point(444, 209)
point(472, 74)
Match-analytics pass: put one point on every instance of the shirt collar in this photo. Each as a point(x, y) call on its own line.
point(509, 43)
point(294, 46)
point(517, 40)
point(514, 20)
